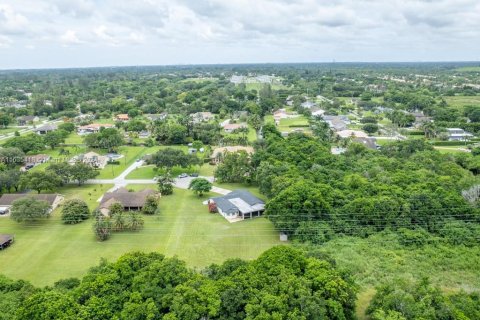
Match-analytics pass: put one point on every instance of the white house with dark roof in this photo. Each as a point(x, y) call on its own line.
point(238, 205)
point(46, 128)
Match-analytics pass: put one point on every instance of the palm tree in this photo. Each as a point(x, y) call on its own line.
point(430, 129)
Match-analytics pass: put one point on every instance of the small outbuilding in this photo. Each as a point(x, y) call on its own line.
point(5, 240)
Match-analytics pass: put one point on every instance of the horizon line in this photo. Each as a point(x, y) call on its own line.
point(240, 64)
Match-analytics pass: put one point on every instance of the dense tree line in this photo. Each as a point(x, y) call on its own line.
point(283, 283)
point(315, 195)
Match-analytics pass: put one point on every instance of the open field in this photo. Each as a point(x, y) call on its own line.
point(251, 135)
point(468, 69)
point(259, 86)
point(48, 251)
point(74, 138)
point(288, 125)
point(462, 101)
point(199, 80)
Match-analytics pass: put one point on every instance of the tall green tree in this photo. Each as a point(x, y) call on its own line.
point(200, 186)
point(29, 209)
point(40, 181)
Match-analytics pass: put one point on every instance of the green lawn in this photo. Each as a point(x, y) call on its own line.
point(450, 149)
point(149, 171)
point(55, 156)
point(233, 186)
point(74, 138)
point(259, 86)
point(251, 135)
point(4, 131)
point(130, 155)
point(462, 101)
point(49, 251)
point(285, 124)
point(469, 69)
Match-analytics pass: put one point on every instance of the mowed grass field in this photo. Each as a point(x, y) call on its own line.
point(462, 101)
point(47, 251)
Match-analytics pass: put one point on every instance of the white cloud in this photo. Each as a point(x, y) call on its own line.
point(259, 30)
point(70, 37)
point(5, 41)
point(11, 22)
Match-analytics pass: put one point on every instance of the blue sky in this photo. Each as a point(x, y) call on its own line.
point(83, 33)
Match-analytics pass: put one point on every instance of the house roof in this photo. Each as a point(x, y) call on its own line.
point(7, 199)
point(47, 127)
point(234, 126)
point(367, 142)
point(352, 133)
point(156, 116)
point(122, 116)
point(27, 118)
point(238, 201)
point(4, 238)
point(96, 126)
point(125, 198)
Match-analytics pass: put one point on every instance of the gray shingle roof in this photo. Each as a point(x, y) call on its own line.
point(226, 206)
point(7, 199)
point(47, 127)
point(127, 199)
point(4, 238)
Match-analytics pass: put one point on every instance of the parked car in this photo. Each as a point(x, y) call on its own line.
point(183, 175)
point(194, 174)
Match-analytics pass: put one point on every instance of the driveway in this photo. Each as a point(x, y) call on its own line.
point(121, 181)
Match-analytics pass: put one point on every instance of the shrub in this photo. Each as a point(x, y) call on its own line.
point(75, 211)
point(102, 228)
point(151, 205)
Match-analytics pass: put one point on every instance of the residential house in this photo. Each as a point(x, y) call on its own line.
point(46, 128)
point(352, 134)
point(202, 117)
point(237, 205)
point(369, 142)
point(317, 112)
point(24, 120)
point(84, 118)
point(283, 114)
point(308, 104)
point(129, 200)
point(289, 101)
point(457, 134)
point(231, 127)
point(420, 119)
point(218, 153)
point(157, 117)
point(92, 158)
point(93, 128)
point(337, 123)
point(122, 117)
point(7, 199)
